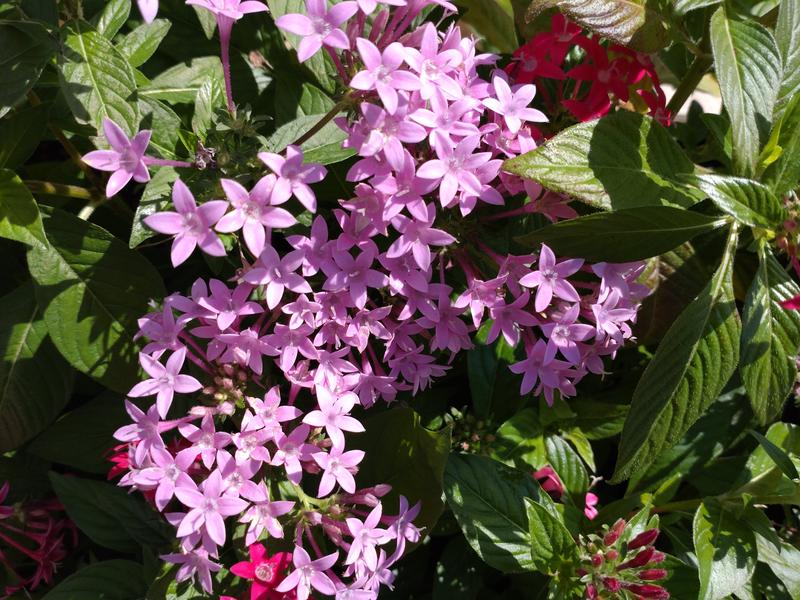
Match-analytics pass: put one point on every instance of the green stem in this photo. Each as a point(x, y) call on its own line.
point(689, 83)
point(60, 189)
point(339, 107)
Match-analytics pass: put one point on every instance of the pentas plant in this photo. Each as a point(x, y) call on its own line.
point(372, 300)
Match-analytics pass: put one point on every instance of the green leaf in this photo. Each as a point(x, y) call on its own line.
point(770, 338)
point(597, 417)
point(482, 366)
point(568, 465)
point(210, 97)
point(82, 437)
point(324, 147)
point(694, 361)
point(19, 216)
point(296, 99)
point(726, 551)
point(181, 83)
point(520, 441)
point(92, 289)
point(490, 20)
point(96, 79)
point(106, 580)
point(155, 197)
point(459, 572)
point(486, 498)
point(20, 134)
point(28, 401)
point(631, 23)
point(748, 201)
point(582, 445)
point(787, 37)
point(638, 233)
point(551, 543)
point(622, 160)
point(748, 67)
point(109, 515)
point(410, 458)
point(783, 562)
point(778, 456)
point(681, 7)
point(141, 43)
point(113, 16)
point(25, 49)
point(164, 124)
point(783, 175)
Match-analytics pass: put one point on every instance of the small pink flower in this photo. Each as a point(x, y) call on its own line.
point(293, 175)
point(333, 415)
point(320, 27)
point(265, 572)
point(338, 467)
point(590, 509)
point(513, 105)
point(208, 508)
point(551, 279)
point(125, 158)
point(165, 380)
point(309, 574)
point(191, 225)
point(383, 73)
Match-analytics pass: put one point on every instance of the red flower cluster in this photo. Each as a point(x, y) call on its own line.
point(608, 74)
point(34, 538)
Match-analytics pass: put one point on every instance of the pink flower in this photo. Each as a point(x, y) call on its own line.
point(277, 274)
point(333, 415)
point(264, 513)
point(145, 431)
point(208, 507)
point(226, 305)
point(206, 440)
point(291, 450)
point(320, 27)
point(230, 9)
point(513, 105)
point(265, 572)
point(149, 9)
point(309, 574)
point(551, 279)
point(590, 503)
point(167, 473)
point(252, 213)
point(383, 73)
point(166, 380)
point(293, 175)
point(269, 411)
point(354, 274)
point(366, 536)
point(338, 467)
point(418, 236)
point(193, 563)
point(549, 481)
point(125, 158)
point(191, 225)
point(565, 334)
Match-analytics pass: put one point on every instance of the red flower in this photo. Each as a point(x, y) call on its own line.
point(265, 572)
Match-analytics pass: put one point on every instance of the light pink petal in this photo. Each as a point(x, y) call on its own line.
point(339, 13)
point(103, 160)
point(308, 47)
point(277, 218)
point(211, 245)
point(337, 39)
point(251, 6)
point(182, 197)
point(231, 222)
point(140, 141)
point(115, 136)
point(296, 23)
point(254, 236)
point(235, 191)
point(117, 181)
point(169, 223)
point(182, 248)
point(149, 9)
point(370, 55)
point(186, 384)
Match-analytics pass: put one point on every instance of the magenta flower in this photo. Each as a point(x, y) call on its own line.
point(208, 508)
point(148, 8)
point(226, 305)
point(291, 450)
point(125, 159)
point(418, 236)
point(293, 175)
point(551, 279)
point(264, 513)
point(454, 167)
point(590, 506)
point(277, 274)
point(264, 571)
point(165, 475)
point(309, 574)
point(508, 318)
point(193, 563)
point(165, 380)
point(252, 212)
point(337, 467)
point(191, 225)
point(513, 105)
point(320, 27)
point(383, 73)
point(245, 348)
point(355, 274)
point(434, 67)
point(366, 536)
point(565, 334)
point(333, 415)
point(270, 413)
point(145, 431)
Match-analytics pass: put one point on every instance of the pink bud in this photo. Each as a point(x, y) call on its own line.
point(612, 584)
point(591, 591)
point(597, 559)
point(648, 591)
point(612, 555)
point(614, 533)
point(549, 481)
point(652, 574)
point(643, 539)
point(639, 560)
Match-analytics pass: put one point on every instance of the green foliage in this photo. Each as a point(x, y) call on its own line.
point(19, 216)
point(25, 49)
point(109, 580)
point(551, 543)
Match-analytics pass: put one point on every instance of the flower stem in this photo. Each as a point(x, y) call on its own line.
point(342, 104)
point(225, 26)
point(688, 84)
point(163, 162)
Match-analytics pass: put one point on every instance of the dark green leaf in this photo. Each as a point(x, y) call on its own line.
point(459, 572)
point(748, 67)
point(19, 216)
point(410, 458)
point(725, 549)
point(107, 580)
point(623, 160)
point(694, 361)
point(629, 22)
point(482, 366)
point(25, 49)
point(324, 147)
point(141, 43)
point(598, 417)
point(748, 201)
point(181, 83)
point(113, 16)
point(109, 515)
point(487, 500)
point(28, 474)
point(566, 462)
point(164, 124)
point(155, 197)
point(28, 401)
point(96, 79)
point(520, 441)
point(783, 175)
point(92, 289)
point(770, 338)
point(490, 20)
point(294, 99)
point(638, 233)
point(551, 543)
point(778, 456)
point(82, 438)
point(20, 134)
point(210, 97)
point(787, 36)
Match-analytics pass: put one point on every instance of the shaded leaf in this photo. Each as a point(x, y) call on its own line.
point(778, 456)
point(782, 562)
point(551, 543)
point(19, 215)
point(164, 124)
point(783, 175)
point(181, 83)
point(490, 20)
point(20, 134)
point(113, 16)
point(622, 160)
point(106, 580)
point(25, 49)
point(155, 197)
point(210, 97)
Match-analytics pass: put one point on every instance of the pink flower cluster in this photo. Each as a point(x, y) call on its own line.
point(34, 538)
point(607, 75)
point(372, 300)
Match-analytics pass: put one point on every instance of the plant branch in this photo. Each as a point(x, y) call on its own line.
point(689, 84)
point(341, 105)
point(49, 188)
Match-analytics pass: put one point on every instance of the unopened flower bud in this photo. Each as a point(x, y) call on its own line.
point(591, 591)
point(639, 560)
point(597, 559)
point(652, 574)
point(611, 584)
point(643, 539)
point(612, 555)
point(613, 534)
point(647, 591)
